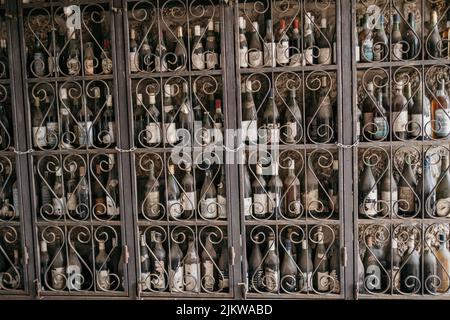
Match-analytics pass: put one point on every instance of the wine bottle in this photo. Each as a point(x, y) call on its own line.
point(208, 258)
point(311, 194)
point(46, 195)
point(397, 40)
point(411, 44)
point(255, 266)
point(372, 268)
point(59, 199)
point(249, 116)
point(369, 109)
point(430, 278)
point(388, 193)
point(38, 64)
point(151, 203)
point(54, 51)
point(433, 39)
point(222, 196)
point(186, 117)
point(309, 41)
point(212, 55)
point(207, 129)
point(89, 59)
point(106, 57)
point(419, 117)
point(368, 192)
point(255, 50)
point(399, 114)
point(173, 195)
point(145, 53)
point(161, 64)
point(269, 46)
point(224, 281)
point(5, 129)
point(145, 280)
point(52, 126)
point(192, 276)
point(73, 60)
point(74, 267)
point(44, 259)
point(72, 200)
point(323, 42)
point(393, 261)
point(321, 264)
point(133, 55)
point(406, 190)
point(170, 128)
point(271, 266)
point(325, 122)
point(443, 265)
point(108, 124)
point(112, 189)
point(243, 46)
point(295, 45)
point(176, 272)
point(85, 129)
point(101, 267)
point(39, 127)
point(282, 45)
point(410, 272)
point(443, 189)
point(208, 200)
point(428, 190)
point(306, 267)
point(198, 59)
point(82, 209)
point(275, 188)
point(99, 192)
point(288, 269)
point(66, 120)
point(440, 113)
point(58, 267)
point(380, 41)
point(189, 194)
point(292, 203)
point(158, 264)
point(335, 270)
point(260, 195)
point(366, 41)
point(271, 120)
point(153, 122)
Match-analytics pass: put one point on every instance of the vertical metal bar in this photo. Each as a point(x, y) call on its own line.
point(124, 141)
point(347, 13)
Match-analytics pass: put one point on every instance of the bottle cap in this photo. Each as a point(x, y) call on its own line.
point(109, 100)
point(197, 30)
point(63, 93)
point(152, 98)
point(167, 90)
point(211, 25)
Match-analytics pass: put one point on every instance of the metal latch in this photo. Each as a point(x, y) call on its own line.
point(344, 256)
point(231, 255)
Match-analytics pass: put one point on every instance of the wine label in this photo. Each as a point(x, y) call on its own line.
point(257, 279)
point(372, 278)
point(58, 206)
point(174, 207)
point(40, 137)
point(198, 61)
point(380, 128)
point(188, 200)
point(212, 60)
point(110, 137)
point(400, 121)
point(397, 51)
point(247, 207)
point(260, 205)
point(324, 56)
point(378, 52)
point(85, 133)
point(255, 58)
point(176, 277)
point(208, 208)
point(273, 134)
point(335, 285)
point(146, 281)
point(368, 205)
point(282, 52)
point(272, 279)
point(309, 56)
point(153, 133)
point(222, 206)
point(208, 275)
point(52, 133)
point(312, 200)
point(269, 54)
point(74, 278)
point(192, 277)
point(367, 49)
point(73, 66)
point(291, 132)
point(297, 60)
point(158, 279)
point(151, 205)
point(442, 126)
point(323, 281)
point(72, 201)
point(443, 207)
point(250, 131)
point(89, 67)
point(243, 57)
point(111, 207)
point(103, 282)
point(406, 199)
point(39, 64)
point(171, 133)
point(134, 61)
point(58, 278)
point(107, 65)
point(274, 201)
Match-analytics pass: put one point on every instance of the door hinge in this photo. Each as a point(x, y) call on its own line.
point(244, 289)
point(127, 253)
point(26, 256)
point(231, 255)
point(344, 256)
